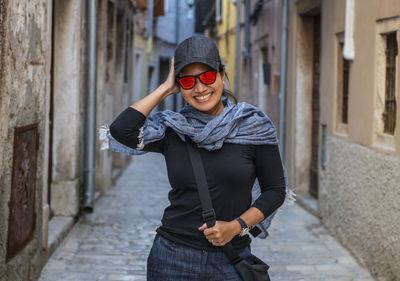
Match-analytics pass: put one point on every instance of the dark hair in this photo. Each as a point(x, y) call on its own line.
point(225, 92)
point(228, 94)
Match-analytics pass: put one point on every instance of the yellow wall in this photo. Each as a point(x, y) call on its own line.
point(226, 39)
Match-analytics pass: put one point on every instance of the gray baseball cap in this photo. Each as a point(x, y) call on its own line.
point(196, 49)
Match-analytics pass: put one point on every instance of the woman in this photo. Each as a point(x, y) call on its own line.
point(237, 144)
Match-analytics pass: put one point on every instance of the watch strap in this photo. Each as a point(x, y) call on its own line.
point(242, 223)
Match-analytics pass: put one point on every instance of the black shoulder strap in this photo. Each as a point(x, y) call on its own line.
point(205, 200)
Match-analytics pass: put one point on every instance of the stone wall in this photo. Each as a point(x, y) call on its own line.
point(359, 203)
point(42, 84)
point(68, 106)
point(24, 90)
point(359, 189)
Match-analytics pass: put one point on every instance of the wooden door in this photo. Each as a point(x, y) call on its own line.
point(315, 106)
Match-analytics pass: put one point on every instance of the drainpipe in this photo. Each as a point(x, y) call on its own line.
point(90, 112)
point(246, 48)
point(178, 99)
point(282, 84)
point(150, 26)
point(177, 14)
point(237, 49)
point(348, 48)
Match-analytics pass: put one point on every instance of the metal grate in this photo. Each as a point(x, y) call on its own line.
point(389, 116)
point(343, 85)
point(22, 214)
point(345, 91)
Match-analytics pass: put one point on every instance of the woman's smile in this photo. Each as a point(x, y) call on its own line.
point(203, 98)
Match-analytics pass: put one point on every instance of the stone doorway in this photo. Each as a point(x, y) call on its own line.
point(308, 99)
point(61, 199)
point(66, 126)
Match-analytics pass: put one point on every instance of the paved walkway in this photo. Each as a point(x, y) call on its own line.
point(114, 241)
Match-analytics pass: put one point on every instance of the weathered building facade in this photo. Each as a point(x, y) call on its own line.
point(225, 14)
point(24, 90)
point(145, 57)
point(174, 26)
point(260, 61)
point(253, 65)
point(343, 142)
point(42, 103)
point(143, 54)
point(341, 118)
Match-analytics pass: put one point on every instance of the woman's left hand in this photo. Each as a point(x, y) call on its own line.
point(222, 232)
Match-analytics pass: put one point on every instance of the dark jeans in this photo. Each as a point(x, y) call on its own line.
point(169, 261)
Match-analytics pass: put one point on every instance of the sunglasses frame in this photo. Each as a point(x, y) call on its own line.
point(196, 77)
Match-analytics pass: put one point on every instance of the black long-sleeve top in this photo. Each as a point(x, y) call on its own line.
point(230, 171)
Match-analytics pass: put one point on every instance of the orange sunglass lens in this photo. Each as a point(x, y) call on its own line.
point(208, 77)
point(187, 82)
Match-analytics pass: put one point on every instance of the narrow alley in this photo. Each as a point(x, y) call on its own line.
point(325, 72)
point(113, 242)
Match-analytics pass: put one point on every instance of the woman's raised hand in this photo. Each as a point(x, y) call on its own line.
point(149, 102)
point(170, 82)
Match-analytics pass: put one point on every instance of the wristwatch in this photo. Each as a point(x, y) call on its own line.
point(245, 228)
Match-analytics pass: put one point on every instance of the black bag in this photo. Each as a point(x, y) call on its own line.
point(255, 271)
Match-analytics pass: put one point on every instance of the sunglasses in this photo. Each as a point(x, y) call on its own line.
point(188, 82)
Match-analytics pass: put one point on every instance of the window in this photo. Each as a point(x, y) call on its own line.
point(266, 65)
point(386, 80)
point(343, 70)
point(218, 10)
point(127, 50)
point(167, 7)
point(389, 115)
point(110, 42)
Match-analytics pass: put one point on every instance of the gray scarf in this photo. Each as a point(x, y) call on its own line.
point(240, 124)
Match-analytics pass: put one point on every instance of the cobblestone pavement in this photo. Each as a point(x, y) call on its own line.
point(113, 242)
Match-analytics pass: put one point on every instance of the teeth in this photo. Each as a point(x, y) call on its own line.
point(203, 97)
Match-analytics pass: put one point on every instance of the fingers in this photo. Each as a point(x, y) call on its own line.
point(214, 242)
point(170, 81)
point(171, 69)
point(217, 242)
point(209, 232)
point(203, 227)
point(213, 237)
point(219, 234)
